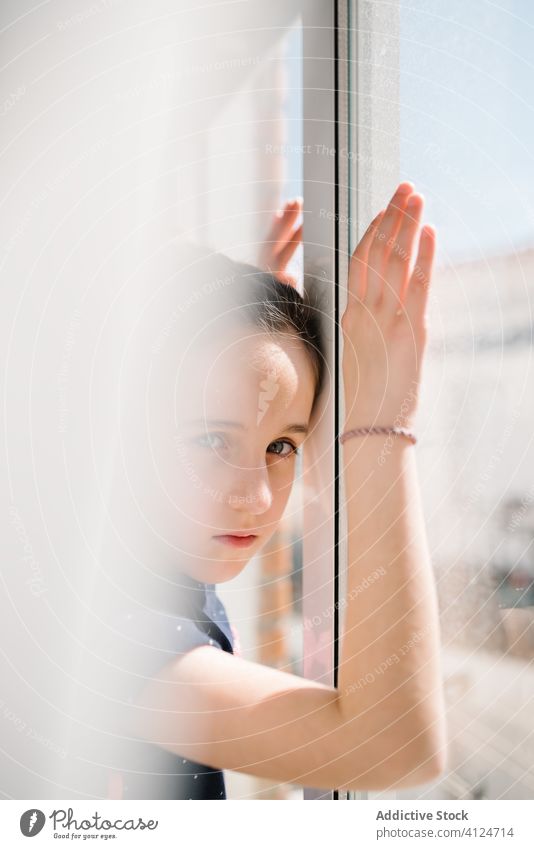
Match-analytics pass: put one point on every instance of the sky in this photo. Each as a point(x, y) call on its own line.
point(467, 120)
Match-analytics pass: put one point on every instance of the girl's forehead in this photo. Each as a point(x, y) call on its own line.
point(247, 371)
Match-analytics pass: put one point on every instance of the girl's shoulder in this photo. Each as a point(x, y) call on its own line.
point(149, 637)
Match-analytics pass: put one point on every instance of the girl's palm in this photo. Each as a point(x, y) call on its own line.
point(384, 325)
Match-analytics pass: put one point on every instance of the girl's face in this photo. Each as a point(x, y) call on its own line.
point(244, 406)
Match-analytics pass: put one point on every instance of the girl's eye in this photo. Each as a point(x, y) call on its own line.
point(216, 442)
point(282, 442)
point(209, 440)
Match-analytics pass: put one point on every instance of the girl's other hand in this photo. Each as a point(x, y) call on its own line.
point(384, 324)
point(282, 241)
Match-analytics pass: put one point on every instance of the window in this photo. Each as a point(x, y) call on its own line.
point(439, 95)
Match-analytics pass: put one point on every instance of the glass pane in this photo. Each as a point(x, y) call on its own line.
point(253, 167)
point(283, 111)
point(447, 91)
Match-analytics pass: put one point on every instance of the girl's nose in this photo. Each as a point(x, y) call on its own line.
point(251, 492)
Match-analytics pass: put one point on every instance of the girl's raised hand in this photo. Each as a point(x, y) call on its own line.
point(384, 324)
point(282, 241)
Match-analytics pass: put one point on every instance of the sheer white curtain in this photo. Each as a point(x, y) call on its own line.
point(107, 107)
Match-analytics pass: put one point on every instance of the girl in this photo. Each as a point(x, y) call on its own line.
point(247, 407)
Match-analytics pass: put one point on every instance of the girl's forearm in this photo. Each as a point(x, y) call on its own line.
point(389, 677)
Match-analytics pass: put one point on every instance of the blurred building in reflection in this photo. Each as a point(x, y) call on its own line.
point(477, 474)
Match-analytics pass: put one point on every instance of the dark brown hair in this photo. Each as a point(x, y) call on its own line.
point(236, 291)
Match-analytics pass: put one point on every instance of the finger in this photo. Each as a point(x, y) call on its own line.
point(283, 224)
point(397, 268)
point(358, 264)
point(419, 285)
point(380, 247)
point(291, 245)
point(288, 279)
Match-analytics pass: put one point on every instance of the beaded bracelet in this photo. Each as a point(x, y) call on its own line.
point(361, 431)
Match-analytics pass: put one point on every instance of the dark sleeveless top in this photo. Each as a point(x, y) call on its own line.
point(197, 617)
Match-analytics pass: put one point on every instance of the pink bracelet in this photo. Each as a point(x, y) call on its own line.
point(362, 431)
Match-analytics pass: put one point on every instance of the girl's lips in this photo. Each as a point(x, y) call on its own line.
point(237, 541)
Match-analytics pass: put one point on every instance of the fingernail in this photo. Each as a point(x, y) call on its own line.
point(414, 201)
point(404, 188)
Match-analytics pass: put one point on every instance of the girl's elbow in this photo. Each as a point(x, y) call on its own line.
point(424, 764)
point(396, 778)
point(428, 764)
point(436, 765)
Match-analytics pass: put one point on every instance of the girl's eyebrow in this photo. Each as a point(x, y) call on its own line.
point(292, 428)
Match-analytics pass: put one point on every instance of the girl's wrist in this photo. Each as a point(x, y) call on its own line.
point(399, 415)
point(395, 419)
point(392, 433)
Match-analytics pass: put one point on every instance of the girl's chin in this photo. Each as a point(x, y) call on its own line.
point(219, 571)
